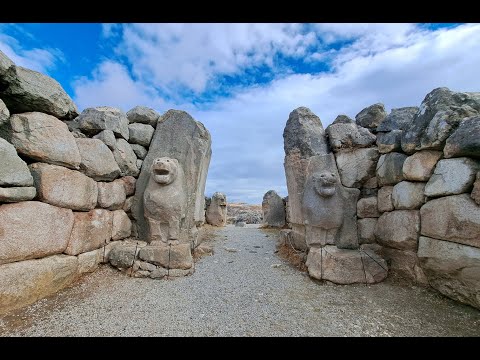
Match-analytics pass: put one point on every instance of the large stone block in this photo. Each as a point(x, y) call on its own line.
point(342, 266)
point(125, 158)
point(384, 199)
point(452, 176)
point(122, 225)
point(42, 137)
point(389, 141)
point(25, 90)
point(22, 283)
point(97, 160)
point(91, 231)
point(440, 113)
point(140, 134)
point(371, 116)
point(465, 140)
point(169, 257)
point(367, 207)
point(398, 229)
point(366, 230)
point(13, 170)
point(356, 166)
point(93, 120)
point(16, 194)
point(62, 187)
point(390, 168)
point(453, 269)
point(476, 190)
point(398, 119)
point(408, 195)
point(273, 209)
point(404, 264)
point(88, 262)
point(4, 113)
point(111, 195)
point(32, 229)
point(343, 133)
point(454, 218)
point(143, 115)
point(419, 166)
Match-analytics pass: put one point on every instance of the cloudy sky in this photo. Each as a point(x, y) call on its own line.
point(242, 80)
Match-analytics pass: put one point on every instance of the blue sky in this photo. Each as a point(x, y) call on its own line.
point(242, 80)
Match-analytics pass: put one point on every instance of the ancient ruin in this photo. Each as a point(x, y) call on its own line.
point(273, 207)
point(388, 194)
point(216, 213)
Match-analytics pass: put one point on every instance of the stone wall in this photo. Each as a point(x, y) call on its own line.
point(417, 172)
point(67, 184)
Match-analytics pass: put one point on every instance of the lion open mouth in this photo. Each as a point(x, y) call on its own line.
point(161, 172)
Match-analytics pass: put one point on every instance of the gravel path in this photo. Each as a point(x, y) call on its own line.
point(248, 292)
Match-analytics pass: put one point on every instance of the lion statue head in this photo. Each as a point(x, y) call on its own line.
point(220, 199)
point(164, 170)
point(325, 183)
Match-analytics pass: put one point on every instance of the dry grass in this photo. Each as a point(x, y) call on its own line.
point(294, 257)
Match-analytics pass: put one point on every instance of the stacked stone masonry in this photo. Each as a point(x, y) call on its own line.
point(417, 170)
point(67, 187)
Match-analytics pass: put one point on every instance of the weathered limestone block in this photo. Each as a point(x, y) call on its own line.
point(4, 113)
point(111, 195)
point(5, 64)
point(88, 262)
point(125, 158)
point(367, 207)
point(140, 134)
point(440, 113)
point(178, 136)
point(16, 194)
point(390, 168)
point(371, 116)
point(476, 190)
point(129, 184)
point(25, 90)
point(273, 209)
point(42, 137)
point(13, 170)
point(384, 199)
point(65, 188)
point(398, 229)
point(465, 140)
point(94, 120)
point(398, 119)
point(357, 166)
point(216, 214)
point(165, 201)
point(453, 218)
point(366, 230)
point(408, 195)
point(453, 269)
point(139, 151)
point(24, 282)
point(32, 229)
point(404, 264)
point(389, 141)
point(419, 166)
point(343, 133)
point(122, 225)
point(343, 266)
point(97, 160)
point(91, 231)
point(122, 254)
point(168, 256)
point(452, 176)
point(143, 115)
point(107, 137)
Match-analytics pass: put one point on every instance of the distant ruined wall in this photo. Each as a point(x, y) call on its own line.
point(67, 182)
point(417, 170)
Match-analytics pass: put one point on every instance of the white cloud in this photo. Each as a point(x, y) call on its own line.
point(37, 59)
point(190, 55)
point(396, 65)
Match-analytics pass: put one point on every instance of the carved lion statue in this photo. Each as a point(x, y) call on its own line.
point(165, 200)
point(322, 208)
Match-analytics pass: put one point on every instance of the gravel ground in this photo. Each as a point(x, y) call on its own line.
point(248, 292)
